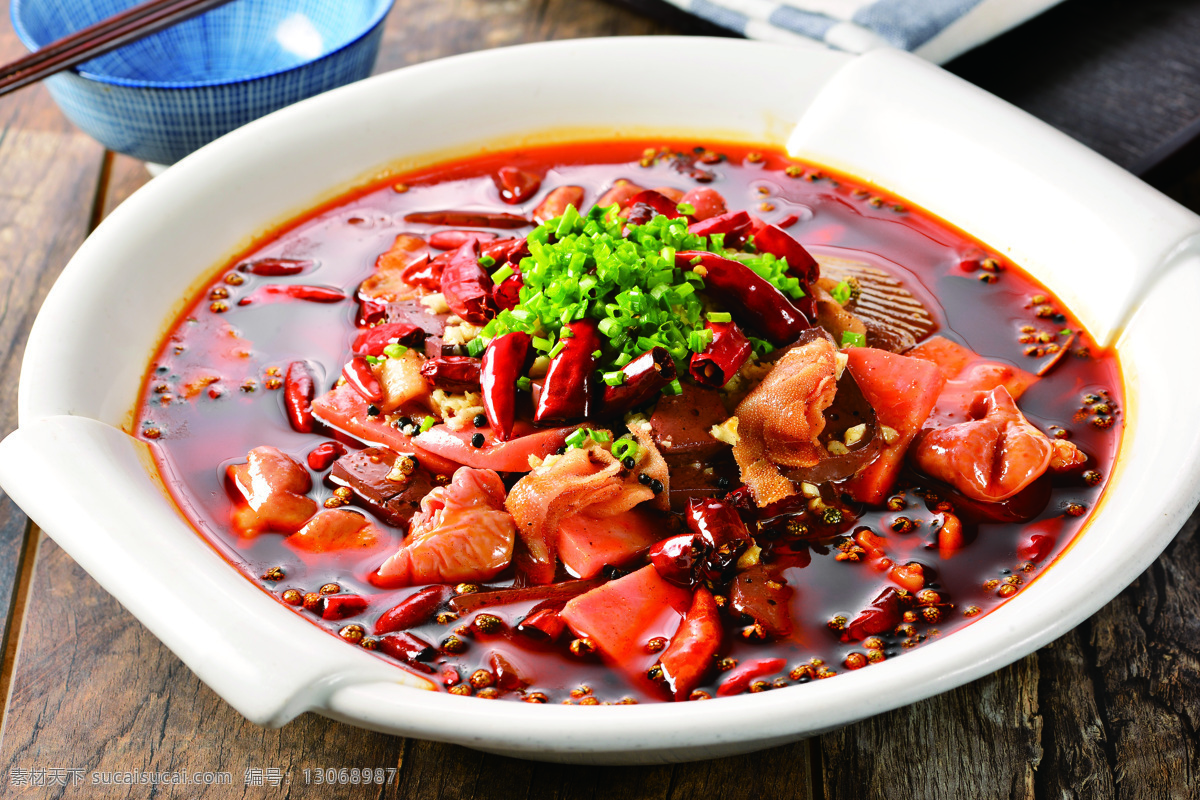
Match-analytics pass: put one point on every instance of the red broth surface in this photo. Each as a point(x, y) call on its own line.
point(214, 392)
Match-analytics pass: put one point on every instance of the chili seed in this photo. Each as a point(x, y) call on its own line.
point(875, 656)
point(218, 307)
point(330, 588)
point(273, 574)
point(656, 645)
point(873, 643)
point(932, 614)
point(971, 611)
point(453, 645)
point(759, 686)
point(466, 588)
point(837, 623)
point(446, 617)
point(855, 661)
point(311, 601)
point(219, 293)
point(352, 633)
point(233, 279)
point(488, 623)
point(369, 644)
point(292, 597)
point(726, 664)
point(536, 697)
point(462, 689)
point(481, 678)
point(477, 440)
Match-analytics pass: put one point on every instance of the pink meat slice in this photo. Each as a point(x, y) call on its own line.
point(461, 533)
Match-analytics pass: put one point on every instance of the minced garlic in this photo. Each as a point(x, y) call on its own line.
point(726, 432)
point(436, 303)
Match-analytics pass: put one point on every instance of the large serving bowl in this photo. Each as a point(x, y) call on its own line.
point(163, 96)
point(1122, 256)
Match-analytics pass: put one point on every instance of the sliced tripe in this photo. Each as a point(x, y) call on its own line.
point(895, 318)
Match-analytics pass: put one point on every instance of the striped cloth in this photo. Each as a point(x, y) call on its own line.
point(937, 30)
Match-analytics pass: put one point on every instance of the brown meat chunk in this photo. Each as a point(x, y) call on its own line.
point(681, 423)
point(365, 472)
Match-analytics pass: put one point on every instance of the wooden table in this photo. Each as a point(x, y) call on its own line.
point(1110, 710)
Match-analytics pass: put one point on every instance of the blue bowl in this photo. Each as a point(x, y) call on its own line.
point(164, 96)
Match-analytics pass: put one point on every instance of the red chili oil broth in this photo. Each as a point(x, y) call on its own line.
point(199, 435)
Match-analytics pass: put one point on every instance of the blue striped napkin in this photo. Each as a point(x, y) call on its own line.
point(937, 30)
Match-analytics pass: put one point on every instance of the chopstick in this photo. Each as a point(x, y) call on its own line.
point(101, 37)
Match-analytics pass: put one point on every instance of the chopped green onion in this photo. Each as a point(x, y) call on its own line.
point(600, 437)
point(395, 350)
point(524, 383)
point(371, 359)
point(487, 262)
point(500, 275)
point(852, 339)
point(541, 344)
point(476, 346)
point(614, 378)
point(1065, 332)
point(842, 293)
point(558, 347)
point(623, 359)
point(596, 354)
point(674, 387)
point(685, 208)
point(427, 423)
point(623, 448)
point(577, 438)
point(719, 316)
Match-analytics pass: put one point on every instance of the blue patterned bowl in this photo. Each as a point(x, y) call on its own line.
point(164, 96)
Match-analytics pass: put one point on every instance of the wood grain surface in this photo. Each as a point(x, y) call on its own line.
point(1111, 710)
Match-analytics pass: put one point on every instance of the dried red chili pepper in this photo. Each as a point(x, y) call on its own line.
point(678, 558)
point(752, 299)
point(644, 205)
point(723, 357)
point(313, 294)
point(323, 455)
point(426, 272)
point(556, 202)
point(557, 592)
point(409, 649)
point(506, 251)
point(735, 226)
point(453, 373)
point(568, 388)
point(467, 219)
point(880, 617)
point(695, 643)
point(371, 341)
point(503, 363)
point(452, 240)
point(779, 243)
point(414, 610)
point(298, 393)
point(722, 530)
point(507, 293)
point(340, 606)
point(645, 377)
point(358, 374)
point(741, 677)
point(466, 285)
point(274, 267)
point(516, 185)
point(543, 621)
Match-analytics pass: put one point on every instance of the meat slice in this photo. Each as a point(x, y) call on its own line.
point(681, 423)
point(393, 269)
point(271, 492)
point(765, 597)
point(337, 529)
point(587, 481)
point(461, 533)
point(780, 422)
point(994, 456)
point(372, 476)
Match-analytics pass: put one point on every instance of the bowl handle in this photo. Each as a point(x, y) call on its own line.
point(123, 528)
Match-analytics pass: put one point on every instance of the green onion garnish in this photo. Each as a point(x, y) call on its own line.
point(622, 448)
point(852, 339)
point(500, 275)
point(614, 378)
point(427, 423)
point(842, 293)
point(719, 316)
point(395, 350)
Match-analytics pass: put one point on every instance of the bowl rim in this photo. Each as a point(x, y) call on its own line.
point(383, 8)
point(666, 732)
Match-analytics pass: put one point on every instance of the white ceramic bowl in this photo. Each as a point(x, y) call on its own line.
point(1122, 256)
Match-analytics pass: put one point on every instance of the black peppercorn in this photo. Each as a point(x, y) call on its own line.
point(644, 479)
point(372, 411)
point(656, 486)
point(480, 420)
point(477, 440)
point(629, 462)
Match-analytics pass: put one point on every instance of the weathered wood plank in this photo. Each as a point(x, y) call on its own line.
point(979, 741)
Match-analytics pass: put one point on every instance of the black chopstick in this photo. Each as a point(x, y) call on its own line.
point(101, 37)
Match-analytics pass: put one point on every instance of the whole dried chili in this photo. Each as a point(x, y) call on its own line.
point(340, 606)
point(466, 285)
point(723, 357)
point(358, 374)
point(644, 377)
point(568, 388)
point(321, 457)
point(409, 649)
point(452, 240)
point(750, 298)
point(779, 243)
point(645, 204)
point(467, 219)
point(740, 679)
point(722, 530)
point(734, 226)
point(693, 647)
point(298, 393)
point(313, 294)
point(274, 267)
point(414, 610)
point(503, 363)
point(453, 373)
point(506, 251)
point(881, 616)
point(516, 185)
point(507, 293)
point(677, 559)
